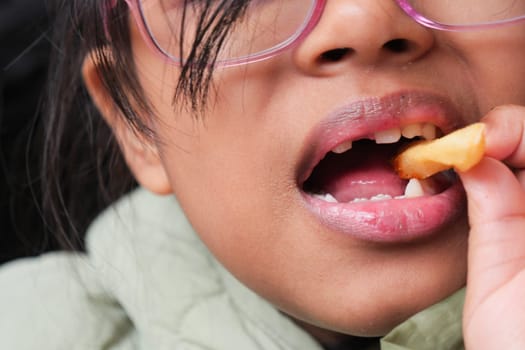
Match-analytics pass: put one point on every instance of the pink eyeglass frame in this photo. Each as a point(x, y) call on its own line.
point(308, 25)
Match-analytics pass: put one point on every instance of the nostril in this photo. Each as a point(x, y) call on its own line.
point(335, 55)
point(397, 45)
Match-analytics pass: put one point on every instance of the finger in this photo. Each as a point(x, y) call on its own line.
point(493, 191)
point(521, 178)
point(496, 203)
point(504, 135)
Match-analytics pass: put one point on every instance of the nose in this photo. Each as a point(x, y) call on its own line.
point(362, 32)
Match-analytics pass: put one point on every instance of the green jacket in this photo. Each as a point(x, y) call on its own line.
point(147, 282)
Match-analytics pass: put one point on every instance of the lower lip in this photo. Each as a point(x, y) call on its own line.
point(391, 221)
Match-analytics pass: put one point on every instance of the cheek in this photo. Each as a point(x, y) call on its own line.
point(494, 62)
point(232, 172)
point(236, 163)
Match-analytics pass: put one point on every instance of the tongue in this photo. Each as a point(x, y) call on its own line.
point(363, 172)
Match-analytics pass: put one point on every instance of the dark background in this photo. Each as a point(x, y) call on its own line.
point(24, 56)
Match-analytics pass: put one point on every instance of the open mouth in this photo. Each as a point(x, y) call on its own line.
point(346, 176)
point(361, 170)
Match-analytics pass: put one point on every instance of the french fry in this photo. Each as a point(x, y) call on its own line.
point(461, 150)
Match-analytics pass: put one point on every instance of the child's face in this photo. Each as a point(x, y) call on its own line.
point(243, 173)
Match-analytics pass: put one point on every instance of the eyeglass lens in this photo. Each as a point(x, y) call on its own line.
point(267, 25)
point(468, 12)
point(262, 25)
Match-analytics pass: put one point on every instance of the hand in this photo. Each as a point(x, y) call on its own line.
point(494, 313)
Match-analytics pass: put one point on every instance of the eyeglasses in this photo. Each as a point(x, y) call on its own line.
point(264, 28)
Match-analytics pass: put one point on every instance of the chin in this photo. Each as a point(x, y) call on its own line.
point(376, 319)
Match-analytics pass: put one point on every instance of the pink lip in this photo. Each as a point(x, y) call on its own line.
point(389, 220)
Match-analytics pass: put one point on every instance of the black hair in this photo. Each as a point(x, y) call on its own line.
point(83, 170)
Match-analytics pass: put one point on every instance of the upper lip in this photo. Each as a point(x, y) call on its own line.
point(362, 118)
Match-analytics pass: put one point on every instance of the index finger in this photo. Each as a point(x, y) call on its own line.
point(504, 135)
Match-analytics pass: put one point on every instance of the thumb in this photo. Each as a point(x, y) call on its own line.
point(494, 193)
point(496, 207)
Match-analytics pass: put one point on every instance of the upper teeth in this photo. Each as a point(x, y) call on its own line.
point(429, 132)
point(388, 136)
point(343, 147)
point(425, 130)
point(412, 130)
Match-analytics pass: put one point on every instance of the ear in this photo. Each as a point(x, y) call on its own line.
point(141, 155)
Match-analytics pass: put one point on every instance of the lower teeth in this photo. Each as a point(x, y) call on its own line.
point(415, 188)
